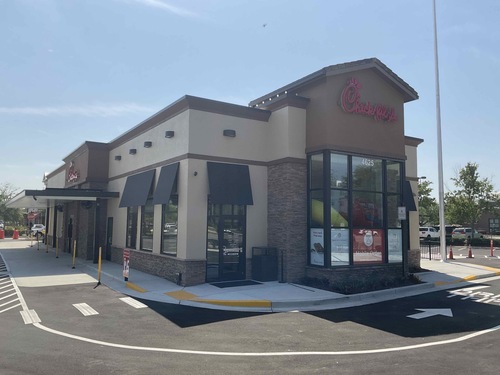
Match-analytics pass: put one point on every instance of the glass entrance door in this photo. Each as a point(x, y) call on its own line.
point(226, 243)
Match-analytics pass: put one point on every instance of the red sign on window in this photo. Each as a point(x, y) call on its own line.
point(368, 245)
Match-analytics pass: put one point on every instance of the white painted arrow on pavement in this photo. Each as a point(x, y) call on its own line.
point(426, 313)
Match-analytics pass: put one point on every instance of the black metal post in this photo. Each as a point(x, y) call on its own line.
point(282, 278)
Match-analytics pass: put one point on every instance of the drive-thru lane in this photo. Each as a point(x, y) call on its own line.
point(144, 336)
point(107, 319)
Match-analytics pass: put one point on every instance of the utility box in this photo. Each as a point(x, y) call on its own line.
point(265, 263)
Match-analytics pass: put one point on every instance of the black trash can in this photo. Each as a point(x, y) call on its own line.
point(265, 263)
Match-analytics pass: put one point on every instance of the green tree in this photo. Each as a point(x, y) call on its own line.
point(428, 208)
point(473, 196)
point(13, 216)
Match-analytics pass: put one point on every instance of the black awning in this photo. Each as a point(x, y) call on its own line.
point(229, 184)
point(137, 189)
point(165, 184)
point(408, 198)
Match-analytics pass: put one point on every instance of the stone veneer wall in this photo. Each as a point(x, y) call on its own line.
point(414, 259)
point(357, 275)
point(192, 271)
point(287, 216)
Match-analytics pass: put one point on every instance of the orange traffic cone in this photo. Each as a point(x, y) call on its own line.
point(451, 254)
point(470, 252)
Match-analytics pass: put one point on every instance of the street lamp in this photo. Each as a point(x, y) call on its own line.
point(439, 144)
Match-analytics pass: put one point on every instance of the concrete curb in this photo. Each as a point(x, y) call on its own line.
point(286, 305)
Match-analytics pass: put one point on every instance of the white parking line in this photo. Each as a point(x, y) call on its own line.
point(30, 316)
point(134, 303)
point(10, 308)
point(7, 296)
point(85, 309)
point(269, 354)
point(8, 290)
point(8, 302)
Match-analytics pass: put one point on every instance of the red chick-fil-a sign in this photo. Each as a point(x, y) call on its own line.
point(350, 103)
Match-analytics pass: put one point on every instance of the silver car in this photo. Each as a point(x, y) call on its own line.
point(465, 233)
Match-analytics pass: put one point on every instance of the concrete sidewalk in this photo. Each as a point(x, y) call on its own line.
point(37, 266)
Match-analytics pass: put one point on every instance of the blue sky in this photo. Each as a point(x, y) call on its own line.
point(76, 70)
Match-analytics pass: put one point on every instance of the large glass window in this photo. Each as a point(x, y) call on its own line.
point(132, 213)
point(169, 222)
point(361, 225)
point(393, 202)
point(317, 216)
point(367, 210)
point(394, 199)
point(316, 171)
point(366, 174)
point(147, 225)
point(339, 177)
point(394, 177)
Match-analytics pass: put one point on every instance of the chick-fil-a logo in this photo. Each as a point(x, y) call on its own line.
point(350, 103)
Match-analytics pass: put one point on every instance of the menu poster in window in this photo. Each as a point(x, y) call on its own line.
point(395, 245)
point(317, 248)
point(368, 245)
point(340, 246)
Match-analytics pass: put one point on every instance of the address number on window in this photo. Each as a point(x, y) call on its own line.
point(368, 162)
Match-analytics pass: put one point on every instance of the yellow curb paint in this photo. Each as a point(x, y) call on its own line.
point(135, 287)
point(496, 270)
point(440, 283)
point(181, 295)
point(469, 278)
point(239, 303)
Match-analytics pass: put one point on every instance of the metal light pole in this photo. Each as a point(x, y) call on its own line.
point(439, 144)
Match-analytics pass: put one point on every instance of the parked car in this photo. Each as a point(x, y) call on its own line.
point(465, 233)
point(38, 230)
point(428, 232)
point(448, 228)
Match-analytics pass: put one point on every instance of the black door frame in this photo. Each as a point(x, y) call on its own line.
point(109, 237)
point(223, 253)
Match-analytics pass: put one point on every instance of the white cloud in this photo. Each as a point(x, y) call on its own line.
point(93, 110)
point(163, 6)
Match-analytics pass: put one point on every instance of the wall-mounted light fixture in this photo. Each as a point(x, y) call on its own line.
point(169, 134)
point(132, 151)
point(148, 144)
point(229, 133)
point(118, 157)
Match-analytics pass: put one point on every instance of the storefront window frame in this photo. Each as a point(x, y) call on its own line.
point(170, 226)
point(132, 217)
point(147, 224)
point(384, 193)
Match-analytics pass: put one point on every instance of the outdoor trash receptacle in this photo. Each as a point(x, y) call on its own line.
point(264, 263)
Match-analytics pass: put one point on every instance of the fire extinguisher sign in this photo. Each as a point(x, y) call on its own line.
point(126, 260)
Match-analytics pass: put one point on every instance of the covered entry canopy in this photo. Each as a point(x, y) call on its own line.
point(53, 196)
